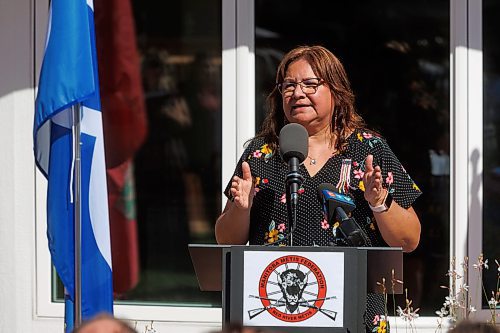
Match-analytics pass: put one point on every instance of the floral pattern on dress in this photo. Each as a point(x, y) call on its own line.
point(359, 168)
point(360, 172)
point(275, 233)
point(269, 178)
point(414, 185)
point(335, 228)
point(361, 185)
point(269, 204)
point(380, 323)
point(264, 152)
point(389, 180)
point(370, 222)
point(324, 224)
point(368, 138)
point(260, 182)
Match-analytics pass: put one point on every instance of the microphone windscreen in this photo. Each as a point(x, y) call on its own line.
point(330, 193)
point(294, 142)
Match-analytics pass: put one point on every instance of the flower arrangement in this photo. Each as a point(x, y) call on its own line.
point(457, 305)
point(408, 313)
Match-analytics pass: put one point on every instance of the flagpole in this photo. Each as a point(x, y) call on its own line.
point(76, 111)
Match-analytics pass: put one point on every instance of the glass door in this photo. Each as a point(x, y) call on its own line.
point(396, 55)
point(160, 68)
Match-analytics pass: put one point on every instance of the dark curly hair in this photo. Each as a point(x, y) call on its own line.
point(326, 66)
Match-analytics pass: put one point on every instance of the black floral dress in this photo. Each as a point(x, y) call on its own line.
point(268, 216)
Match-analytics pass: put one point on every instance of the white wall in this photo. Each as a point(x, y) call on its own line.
point(17, 199)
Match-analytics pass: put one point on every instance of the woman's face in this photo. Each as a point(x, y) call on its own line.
point(313, 111)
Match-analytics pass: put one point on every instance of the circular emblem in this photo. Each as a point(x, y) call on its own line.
point(301, 285)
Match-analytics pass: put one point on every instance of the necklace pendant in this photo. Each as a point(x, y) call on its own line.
point(313, 161)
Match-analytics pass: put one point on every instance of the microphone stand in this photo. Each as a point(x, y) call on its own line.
point(293, 181)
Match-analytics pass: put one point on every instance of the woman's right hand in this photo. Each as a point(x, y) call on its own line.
point(233, 225)
point(243, 189)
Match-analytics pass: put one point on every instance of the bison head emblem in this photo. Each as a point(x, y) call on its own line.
point(292, 283)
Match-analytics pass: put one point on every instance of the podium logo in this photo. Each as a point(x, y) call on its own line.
point(292, 289)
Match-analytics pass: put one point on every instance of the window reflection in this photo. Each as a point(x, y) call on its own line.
point(491, 143)
point(178, 167)
point(396, 55)
point(169, 179)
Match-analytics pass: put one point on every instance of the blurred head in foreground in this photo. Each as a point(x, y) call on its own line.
point(104, 324)
point(236, 328)
point(467, 326)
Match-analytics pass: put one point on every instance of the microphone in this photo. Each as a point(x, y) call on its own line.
point(294, 145)
point(336, 206)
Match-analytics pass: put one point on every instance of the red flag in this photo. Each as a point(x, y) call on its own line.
point(125, 128)
point(123, 227)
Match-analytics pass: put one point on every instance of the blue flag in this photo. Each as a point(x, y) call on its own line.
point(69, 76)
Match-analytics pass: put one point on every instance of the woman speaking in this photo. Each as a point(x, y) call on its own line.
point(312, 89)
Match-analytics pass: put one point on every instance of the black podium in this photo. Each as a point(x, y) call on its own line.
point(296, 289)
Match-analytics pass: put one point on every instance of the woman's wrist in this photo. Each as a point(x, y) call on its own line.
point(384, 205)
point(379, 200)
point(242, 209)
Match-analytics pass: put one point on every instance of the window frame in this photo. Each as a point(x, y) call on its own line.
point(466, 95)
point(475, 136)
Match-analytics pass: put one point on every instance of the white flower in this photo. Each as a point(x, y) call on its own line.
point(454, 274)
point(480, 264)
point(450, 301)
point(442, 313)
point(493, 302)
point(407, 314)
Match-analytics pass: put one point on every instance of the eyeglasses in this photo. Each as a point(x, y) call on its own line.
point(308, 86)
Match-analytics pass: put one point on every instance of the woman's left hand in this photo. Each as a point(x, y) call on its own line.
point(398, 226)
point(374, 192)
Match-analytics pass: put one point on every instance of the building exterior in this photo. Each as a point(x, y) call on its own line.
point(426, 74)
